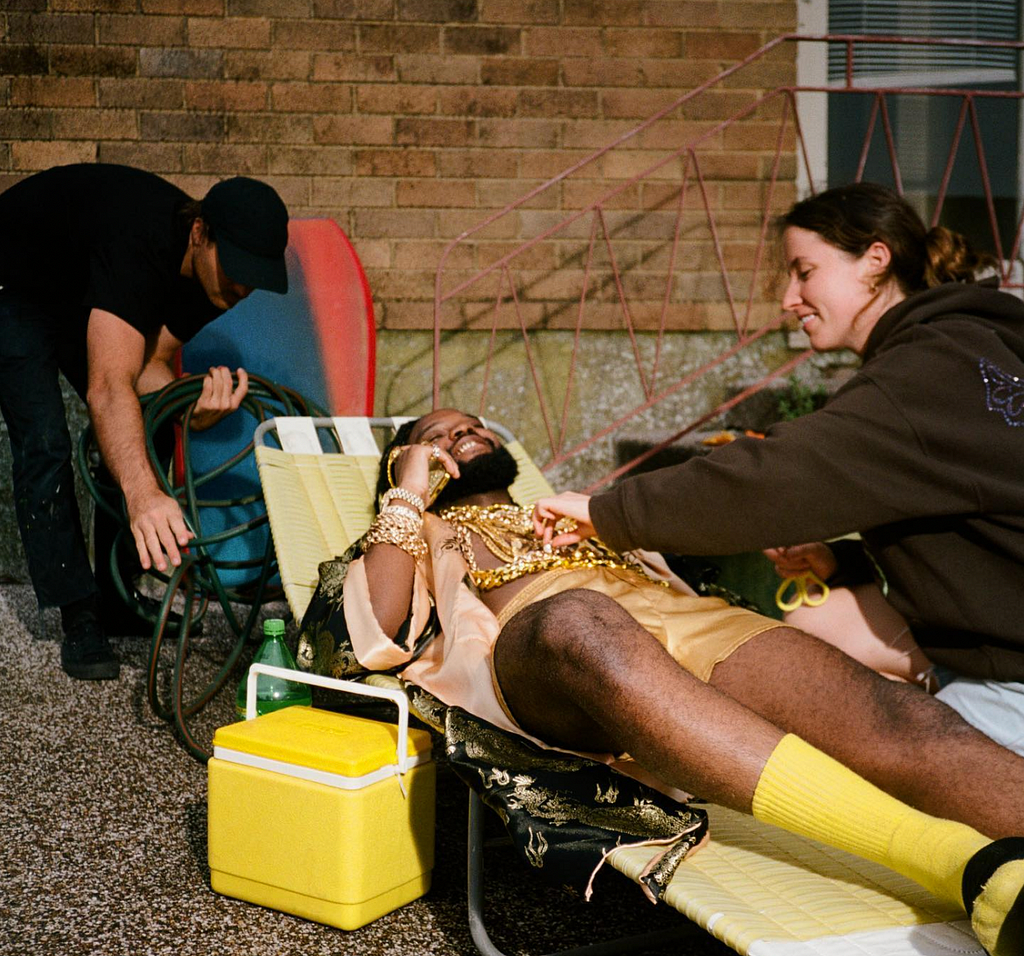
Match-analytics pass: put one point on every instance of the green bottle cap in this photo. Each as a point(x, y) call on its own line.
point(273, 627)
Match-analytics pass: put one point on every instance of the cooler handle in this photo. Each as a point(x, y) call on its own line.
point(334, 683)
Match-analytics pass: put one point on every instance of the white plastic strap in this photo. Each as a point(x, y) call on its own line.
point(298, 435)
point(333, 683)
point(356, 436)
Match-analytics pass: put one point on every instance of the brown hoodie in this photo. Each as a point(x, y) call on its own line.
point(922, 452)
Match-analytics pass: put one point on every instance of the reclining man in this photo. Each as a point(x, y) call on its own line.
point(576, 648)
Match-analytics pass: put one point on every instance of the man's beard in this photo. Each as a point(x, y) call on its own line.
point(493, 471)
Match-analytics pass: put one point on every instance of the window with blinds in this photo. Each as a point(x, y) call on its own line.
point(908, 65)
point(923, 125)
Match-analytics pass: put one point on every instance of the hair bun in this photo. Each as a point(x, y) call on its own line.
point(950, 258)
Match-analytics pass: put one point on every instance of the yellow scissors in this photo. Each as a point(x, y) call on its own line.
point(802, 594)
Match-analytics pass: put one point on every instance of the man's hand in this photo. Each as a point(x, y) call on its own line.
point(798, 559)
point(159, 528)
point(219, 398)
point(569, 504)
point(410, 468)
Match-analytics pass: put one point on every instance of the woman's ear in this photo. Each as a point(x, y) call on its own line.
point(877, 260)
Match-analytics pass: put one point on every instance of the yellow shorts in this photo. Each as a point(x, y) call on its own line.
point(698, 632)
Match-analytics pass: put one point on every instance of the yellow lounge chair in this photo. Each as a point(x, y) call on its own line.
point(760, 890)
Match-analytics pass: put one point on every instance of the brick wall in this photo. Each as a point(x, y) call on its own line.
point(409, 121)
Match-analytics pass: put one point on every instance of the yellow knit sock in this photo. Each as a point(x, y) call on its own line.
point(805, 791)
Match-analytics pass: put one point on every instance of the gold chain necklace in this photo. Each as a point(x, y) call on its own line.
point(507, 532)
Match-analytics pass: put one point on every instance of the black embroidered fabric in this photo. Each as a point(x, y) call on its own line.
point(562, 812)
point(324, 644)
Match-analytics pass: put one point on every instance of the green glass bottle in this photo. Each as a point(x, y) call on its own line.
point(273, 693)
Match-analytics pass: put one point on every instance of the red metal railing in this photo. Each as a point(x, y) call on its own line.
point(465, 302)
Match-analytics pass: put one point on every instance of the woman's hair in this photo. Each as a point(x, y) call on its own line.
point(853, 217)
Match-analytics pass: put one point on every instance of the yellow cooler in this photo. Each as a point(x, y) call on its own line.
point(324, 815)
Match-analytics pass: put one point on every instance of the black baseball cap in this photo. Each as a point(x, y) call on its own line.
point(250, 227)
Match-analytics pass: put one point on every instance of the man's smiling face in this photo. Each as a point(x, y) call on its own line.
point(485, 465)
point(463, 436)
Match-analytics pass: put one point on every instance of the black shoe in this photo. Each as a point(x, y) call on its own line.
point(85, 653)
point(122, 620)
point(993, 894)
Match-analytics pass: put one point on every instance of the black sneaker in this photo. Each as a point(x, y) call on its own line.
point(85, 653)
point(121, 620)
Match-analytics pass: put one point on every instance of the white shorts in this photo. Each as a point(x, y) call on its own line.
point(996, 708)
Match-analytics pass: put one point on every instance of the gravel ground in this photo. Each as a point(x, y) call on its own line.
point(103, 816)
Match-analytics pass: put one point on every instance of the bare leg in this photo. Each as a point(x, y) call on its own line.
point(578, 671)
point(861, 623)
point(893, 734)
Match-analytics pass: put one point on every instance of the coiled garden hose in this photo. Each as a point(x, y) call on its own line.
point(198, 576)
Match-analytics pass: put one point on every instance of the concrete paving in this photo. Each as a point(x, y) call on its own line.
point(103, 823)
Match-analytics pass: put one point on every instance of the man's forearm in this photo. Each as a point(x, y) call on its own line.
point(155, 374)
point(116, 363)
point(389, 576)
point(117, 420)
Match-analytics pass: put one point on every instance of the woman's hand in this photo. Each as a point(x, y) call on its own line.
point(797, 559)
point(569, 504)
point(410, 469)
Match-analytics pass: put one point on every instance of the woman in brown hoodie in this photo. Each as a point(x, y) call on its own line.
point(921, 453)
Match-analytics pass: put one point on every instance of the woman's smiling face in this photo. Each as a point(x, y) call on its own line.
point(833, 293)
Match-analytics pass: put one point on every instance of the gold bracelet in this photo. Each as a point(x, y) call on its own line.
point(403, 494)
point(403, 514)
point(399, 531)
point(396, 516)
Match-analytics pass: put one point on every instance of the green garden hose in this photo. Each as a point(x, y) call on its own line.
point(198, 576)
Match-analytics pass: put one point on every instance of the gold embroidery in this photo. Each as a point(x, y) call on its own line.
point(427, 707)
point(496, 750)
point(536, 848)
point(496, 776)
point(611, 795)
point(661, 869)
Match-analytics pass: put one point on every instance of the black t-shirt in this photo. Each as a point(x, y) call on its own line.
point(98, 236)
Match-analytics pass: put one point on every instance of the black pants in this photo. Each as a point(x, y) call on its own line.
point(36, 344)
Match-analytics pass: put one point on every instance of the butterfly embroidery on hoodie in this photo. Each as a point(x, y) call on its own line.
point(1004, 393)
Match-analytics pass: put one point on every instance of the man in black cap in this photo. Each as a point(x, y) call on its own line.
point(104, 272)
